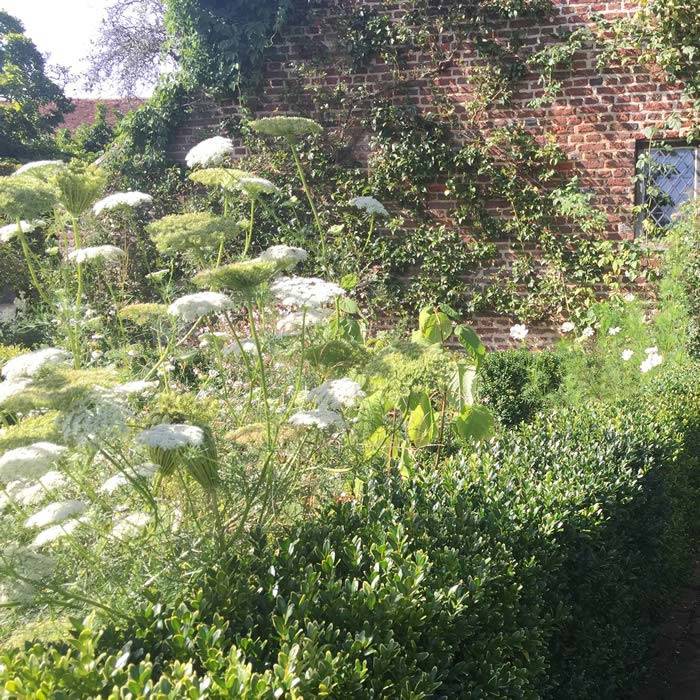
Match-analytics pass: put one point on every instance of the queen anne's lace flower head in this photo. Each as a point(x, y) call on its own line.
point(55, 513)
point(370, 205)
point(171, 436)
point(255, 186)
point(56, 532)
point(7, 233)
point(36, 164)
point(653, 359)
point(284, 256)
point(627, 355)
point(130, 525)
point(614, 330)
point(587, 332)
point(30, 462)
point(34, 493)
point(290, 128)
point(193, 306)
point(209, 152)
point(567, 327)
point(12, 388)
point(519, 331)
point(305, 292)
point(322, 418)
point(294, 321)
point(121, 199)
point(138, 387)
point(336, 394)
point(118, 481)
point(29, 364)
point(109, 253)
point(101, 414)
point(247, 346)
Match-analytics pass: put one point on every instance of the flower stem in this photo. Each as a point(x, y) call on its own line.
point(249, 232)
point(307, 192)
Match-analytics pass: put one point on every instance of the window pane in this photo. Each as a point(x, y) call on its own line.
point(669, 182)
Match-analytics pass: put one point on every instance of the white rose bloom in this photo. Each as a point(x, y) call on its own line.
point(652, 360)
point(55, 513)
point(31, 363)
point(369, 205)
point(293, 322)
point(567, 327)
point(56, 532)
point(284, 255)
point(209, 152)
point(192, 306)
point(110, 253)
point(627, 355)
point(171, 436)
point(130, 525)
point(321, 418)
point(336, 394)
point(121, 199)
point(7, 233)
point(614, 330)
point(305, 291)
point(38, 164)
point(29, 462)
point(519, 331)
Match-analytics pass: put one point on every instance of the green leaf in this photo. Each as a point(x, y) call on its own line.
point(434, 326)
point(421, 427)
point(371, 413)
point(470, 341)
point(474, 423)
point(461, 385)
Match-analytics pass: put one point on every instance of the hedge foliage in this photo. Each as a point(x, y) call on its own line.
point(531, 569)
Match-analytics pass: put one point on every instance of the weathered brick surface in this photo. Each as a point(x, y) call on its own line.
point(598, 121)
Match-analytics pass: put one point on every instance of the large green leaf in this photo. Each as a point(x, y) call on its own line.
point(421, 427)
point(461, 385)
point(470, 341)
point(473, 424)
point(434, 326)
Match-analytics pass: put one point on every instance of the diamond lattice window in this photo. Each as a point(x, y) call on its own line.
point(669, 178)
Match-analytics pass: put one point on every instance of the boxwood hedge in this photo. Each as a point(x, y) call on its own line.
point(533, 568)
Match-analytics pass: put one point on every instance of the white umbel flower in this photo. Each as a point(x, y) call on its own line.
point(629, 297)
point(587, 332)
point(109, 253)
point(95, 417)
point(56, 532)
point(121, 199)
point(39, 164)
point(247, 346)
point(285, 256)
point(614, 330)
point(519, 331)
point(130, 525)
point(30, 462)
point(567, 327)
point(118, 481)
point(35, 493)
point(626, 355)
point(171, 436)
point(31, 363)
point(370, 205)
point(138, 387)
point(7, 233)
point(653, 350)
point(55, 513)
point(336, 394)
point(192, 306)
point(209, 152)
point(309, 292)
point(255, 186)
point(12, 388)
point(293, 322)
point(321, 418)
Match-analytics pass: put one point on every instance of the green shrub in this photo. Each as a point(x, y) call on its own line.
point(531, 571)
point(516, 383)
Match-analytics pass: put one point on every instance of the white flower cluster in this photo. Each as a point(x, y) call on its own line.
point(56, 532)
point(31, 363)
point(567, 327)
point(12, 388)
point(305, 292)
point(130, 525)
point(587, 332)
point(246, 346)
point(30, 462)
point(614, 330)
point(285, 256)
point(294, 321)
point(321, 418)
point(370, 205)
point(55, 513)
point(652, 359)
point(336, 394)
point(7, 233)
point(118, 481)
point(627, 355)
point(254, 186)
point(109, 253)
point(171, 436)
point(121, 199)
point(193, 306)
point(97, 416)
point(209, 152)
point(39, 164)
point(519, 331)
point(28, 493)
point(137, 387)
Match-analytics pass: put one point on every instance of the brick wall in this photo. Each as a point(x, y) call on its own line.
point(598, 120)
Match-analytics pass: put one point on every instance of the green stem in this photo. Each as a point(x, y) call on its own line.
point(26, 251)
point(249, 232)
point(309, 197)
point(369, 235)
point(263, 378)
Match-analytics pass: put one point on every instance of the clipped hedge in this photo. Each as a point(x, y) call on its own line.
point(532, 569)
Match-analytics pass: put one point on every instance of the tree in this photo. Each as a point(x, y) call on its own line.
point(31, 104)
point(131, 50)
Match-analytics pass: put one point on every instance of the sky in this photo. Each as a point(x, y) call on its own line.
point(63, 30)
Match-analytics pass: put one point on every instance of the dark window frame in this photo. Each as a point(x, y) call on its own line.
point(640, 186)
